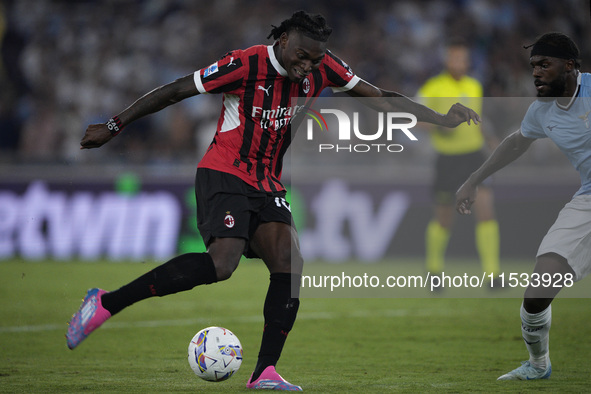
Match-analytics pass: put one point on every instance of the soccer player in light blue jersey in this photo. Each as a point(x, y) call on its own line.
point(561, 113)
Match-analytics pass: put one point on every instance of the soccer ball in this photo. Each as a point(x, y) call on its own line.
point(215, 353)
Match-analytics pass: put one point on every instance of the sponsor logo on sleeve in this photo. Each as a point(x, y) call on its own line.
point(211, 70)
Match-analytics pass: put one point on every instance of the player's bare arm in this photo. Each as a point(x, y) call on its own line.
point(457, 114)
point(98, 134)
point(509, 150)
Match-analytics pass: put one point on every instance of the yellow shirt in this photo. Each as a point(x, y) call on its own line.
point(440, 93)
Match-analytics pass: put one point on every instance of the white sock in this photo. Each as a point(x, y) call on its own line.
point(535, 329)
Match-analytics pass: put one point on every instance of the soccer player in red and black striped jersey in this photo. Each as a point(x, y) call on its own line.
point(240, 199)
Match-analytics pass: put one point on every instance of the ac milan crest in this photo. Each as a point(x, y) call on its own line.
point(306, 85)
point(229, 221)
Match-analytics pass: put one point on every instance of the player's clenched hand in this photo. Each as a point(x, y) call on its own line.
point(459, 113)
point(96, 135)
point(465, 197)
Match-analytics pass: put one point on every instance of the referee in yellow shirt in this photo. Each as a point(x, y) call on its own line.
point(459, 153)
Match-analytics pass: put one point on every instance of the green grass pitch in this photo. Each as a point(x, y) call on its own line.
point(338, 345)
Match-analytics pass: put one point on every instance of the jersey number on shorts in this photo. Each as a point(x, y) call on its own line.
point(280, 201)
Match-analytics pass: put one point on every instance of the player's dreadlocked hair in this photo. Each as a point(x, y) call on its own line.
point(311, 25)
point(558, 45)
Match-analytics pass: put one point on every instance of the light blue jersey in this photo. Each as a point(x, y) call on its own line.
point(569, 128)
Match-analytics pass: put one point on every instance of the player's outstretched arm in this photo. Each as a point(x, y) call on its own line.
point(457, 114)
point(97, 135)
point(510, 149)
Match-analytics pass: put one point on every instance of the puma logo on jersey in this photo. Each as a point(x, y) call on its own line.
point(266, 90)
point(585, 118)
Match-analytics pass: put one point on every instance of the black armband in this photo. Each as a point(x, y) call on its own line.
point(114, 126)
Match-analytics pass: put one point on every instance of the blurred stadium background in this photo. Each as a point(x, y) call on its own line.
point(67, 64)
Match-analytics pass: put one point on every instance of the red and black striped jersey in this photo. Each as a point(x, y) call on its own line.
point(254, 128)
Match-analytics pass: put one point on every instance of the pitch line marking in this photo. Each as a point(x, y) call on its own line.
point(240, 319)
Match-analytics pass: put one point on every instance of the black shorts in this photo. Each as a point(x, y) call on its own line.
point(451, 171)
point(228, 207)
